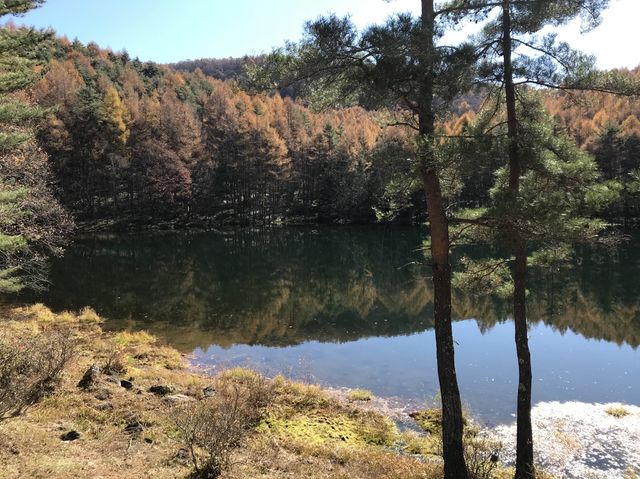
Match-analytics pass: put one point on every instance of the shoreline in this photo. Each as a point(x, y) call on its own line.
point(118, 412)
point(196, 224)
point(573, 440)
point(204, 224)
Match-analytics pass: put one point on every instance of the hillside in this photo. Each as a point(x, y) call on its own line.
point(219, 68)
point(144, 143)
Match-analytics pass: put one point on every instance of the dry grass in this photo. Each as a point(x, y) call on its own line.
point(617, 412)
point(135, 338)
point(299, 432)
point(30, 445)
point(42, 315)
point(360, 395)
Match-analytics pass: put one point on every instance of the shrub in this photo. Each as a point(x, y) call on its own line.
point(215, 426)
point(114, 363)
point(30, 369)
point(482, 455)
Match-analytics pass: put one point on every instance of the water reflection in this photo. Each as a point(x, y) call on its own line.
point(289, 286)
point(350, 306)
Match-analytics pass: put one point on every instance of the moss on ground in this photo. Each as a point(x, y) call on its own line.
point(420, 444)
point(324, 428)
point(430, 421)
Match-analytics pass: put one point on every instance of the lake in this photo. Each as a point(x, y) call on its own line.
point(352, 307)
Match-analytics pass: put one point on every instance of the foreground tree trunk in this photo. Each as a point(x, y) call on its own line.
point(524, 439)
point(452, 424)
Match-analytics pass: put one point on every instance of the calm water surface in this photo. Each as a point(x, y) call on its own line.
point(351, 306)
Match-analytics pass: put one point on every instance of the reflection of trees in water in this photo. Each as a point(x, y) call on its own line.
point(579, 313)
point(599, 297)
point(290, 285)
point(280, 287)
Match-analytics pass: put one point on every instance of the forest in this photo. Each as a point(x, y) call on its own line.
point(142, 143)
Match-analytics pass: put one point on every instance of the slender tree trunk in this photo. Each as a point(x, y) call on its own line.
point(452, 424)
point(524, 439)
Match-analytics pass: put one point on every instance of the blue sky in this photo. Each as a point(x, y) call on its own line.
point(167, 31)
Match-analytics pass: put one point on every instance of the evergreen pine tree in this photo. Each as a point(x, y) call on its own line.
point(32, 224)
point(546, 192)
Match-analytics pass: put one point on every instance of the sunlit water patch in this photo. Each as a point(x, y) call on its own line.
point(566, 367)
point(576, 440)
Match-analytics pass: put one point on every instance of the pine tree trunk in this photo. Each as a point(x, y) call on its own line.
point(524, 438)
point(452, 424)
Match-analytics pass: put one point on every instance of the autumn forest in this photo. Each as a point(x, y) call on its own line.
point(141, 143)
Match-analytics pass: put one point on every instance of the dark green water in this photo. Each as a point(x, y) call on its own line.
point(350, 306)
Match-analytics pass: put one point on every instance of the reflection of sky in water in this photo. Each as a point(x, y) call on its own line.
point(566, 367)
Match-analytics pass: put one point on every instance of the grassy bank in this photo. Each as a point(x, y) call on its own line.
point(126, 406)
